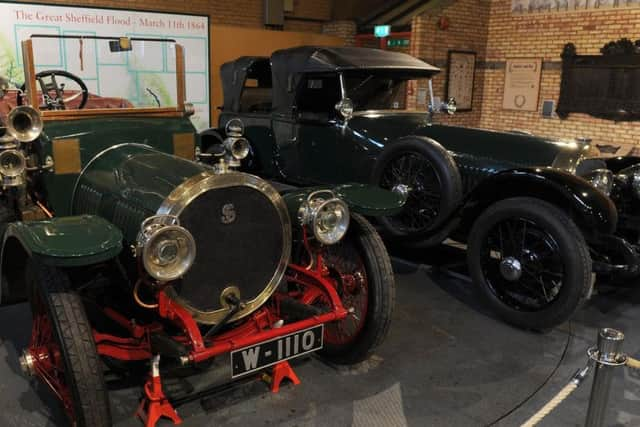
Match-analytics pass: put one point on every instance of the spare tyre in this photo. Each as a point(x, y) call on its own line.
point(424, 172)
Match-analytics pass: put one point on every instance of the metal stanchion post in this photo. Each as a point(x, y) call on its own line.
point(606, 356)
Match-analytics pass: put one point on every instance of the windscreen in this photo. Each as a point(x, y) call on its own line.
point(84, 72)
point(377, 90)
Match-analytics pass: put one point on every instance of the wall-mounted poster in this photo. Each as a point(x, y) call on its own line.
point(461, 68)
point(522, 84)
point(144, 83)
point(555, 6)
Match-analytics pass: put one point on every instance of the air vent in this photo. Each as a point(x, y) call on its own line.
point(88, 200)
point(547, 109)
point(128, 218)
point(274, 13)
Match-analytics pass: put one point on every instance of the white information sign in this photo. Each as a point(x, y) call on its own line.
point(106, 73)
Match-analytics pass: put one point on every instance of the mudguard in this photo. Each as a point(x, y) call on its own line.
point(590, 208)
point(66, 241)
point(616, 164)
point(361, 198)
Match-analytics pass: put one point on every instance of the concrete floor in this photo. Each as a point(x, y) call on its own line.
point(446, 362)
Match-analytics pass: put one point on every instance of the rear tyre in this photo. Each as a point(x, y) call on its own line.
point(530, 262)
point(362, 270)
point(62, 351)
point(424, 172)
point(7, 215)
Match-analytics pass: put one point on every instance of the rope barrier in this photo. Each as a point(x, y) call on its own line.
point(633, 363)
point(605, 355)
point(551, 405)
point(566, 391)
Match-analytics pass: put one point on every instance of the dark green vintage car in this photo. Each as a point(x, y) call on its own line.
point(539, 218)
point(131, 252)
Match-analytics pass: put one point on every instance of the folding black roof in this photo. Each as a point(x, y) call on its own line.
point(307, 59)
point(288, 66)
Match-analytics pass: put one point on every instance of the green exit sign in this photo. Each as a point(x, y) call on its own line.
point(398, 42)
point(382, 30)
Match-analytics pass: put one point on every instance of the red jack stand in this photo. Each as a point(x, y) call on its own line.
point(281, 371)
point(155, 404)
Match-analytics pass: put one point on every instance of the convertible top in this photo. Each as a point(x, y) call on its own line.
point(288, 66)
point(313, 59)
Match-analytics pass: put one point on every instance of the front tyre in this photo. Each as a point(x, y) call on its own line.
point(362, 270)
point(530, 262)
point(62, 352)
point(421, 170)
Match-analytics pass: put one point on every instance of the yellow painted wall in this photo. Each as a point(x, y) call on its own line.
point(229, 43)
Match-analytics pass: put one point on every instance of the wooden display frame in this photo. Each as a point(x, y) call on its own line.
point(455, 82)
point(522, 81)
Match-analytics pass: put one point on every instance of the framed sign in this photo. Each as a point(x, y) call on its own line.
point(554, 6)
point(103, 75)
point(461, 69)
point(522, 84)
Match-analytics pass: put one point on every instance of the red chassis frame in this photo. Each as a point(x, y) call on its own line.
point(315, 285)
point(258, 327)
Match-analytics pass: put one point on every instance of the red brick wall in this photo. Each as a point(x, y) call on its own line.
point(346, 30)
point(543, 36)
point(468, 26)
point(489, 28)
point(246, 13)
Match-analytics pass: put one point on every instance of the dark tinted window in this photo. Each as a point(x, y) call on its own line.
point(318, 93)
point(257, 91)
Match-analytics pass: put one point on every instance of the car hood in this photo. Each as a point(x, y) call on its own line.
point(509, 148)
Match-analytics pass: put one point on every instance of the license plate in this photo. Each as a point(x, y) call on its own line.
point(267, 353)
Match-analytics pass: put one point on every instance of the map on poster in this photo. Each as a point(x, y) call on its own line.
point(104, 73)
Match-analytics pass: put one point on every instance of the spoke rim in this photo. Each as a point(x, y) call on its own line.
point(48, 363)
point(538, 253)
point(349, 274)
point(422, 205)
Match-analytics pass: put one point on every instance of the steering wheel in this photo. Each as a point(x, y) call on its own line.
point(53, 92)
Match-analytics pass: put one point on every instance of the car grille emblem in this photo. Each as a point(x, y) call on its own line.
point(228, 213)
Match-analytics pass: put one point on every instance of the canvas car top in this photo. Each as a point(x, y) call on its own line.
point(287, 65)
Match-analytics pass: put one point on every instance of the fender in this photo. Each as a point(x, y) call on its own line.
point(591, 209)
point(65, 242)
point(616, 164)
point(361, 198)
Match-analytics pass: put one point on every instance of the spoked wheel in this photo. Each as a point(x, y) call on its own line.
point(62, 352)
point(415, 179)
point(364, 280)
point(530, 262)
point(424, 173)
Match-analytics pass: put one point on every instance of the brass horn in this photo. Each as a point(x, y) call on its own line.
point(237, 147)
point(24, 123)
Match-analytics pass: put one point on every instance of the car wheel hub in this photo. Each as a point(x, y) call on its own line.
point(511, 269)
point(401, 189)
point(27, 363)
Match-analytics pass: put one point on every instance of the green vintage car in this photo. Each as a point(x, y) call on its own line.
point(538, 216)
point(131, 252)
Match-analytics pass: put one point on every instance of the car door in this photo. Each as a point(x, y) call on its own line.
point(319, 134)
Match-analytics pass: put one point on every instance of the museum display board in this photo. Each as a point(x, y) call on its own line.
point(88, 60)
point(461, 68)
point(522, 84)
